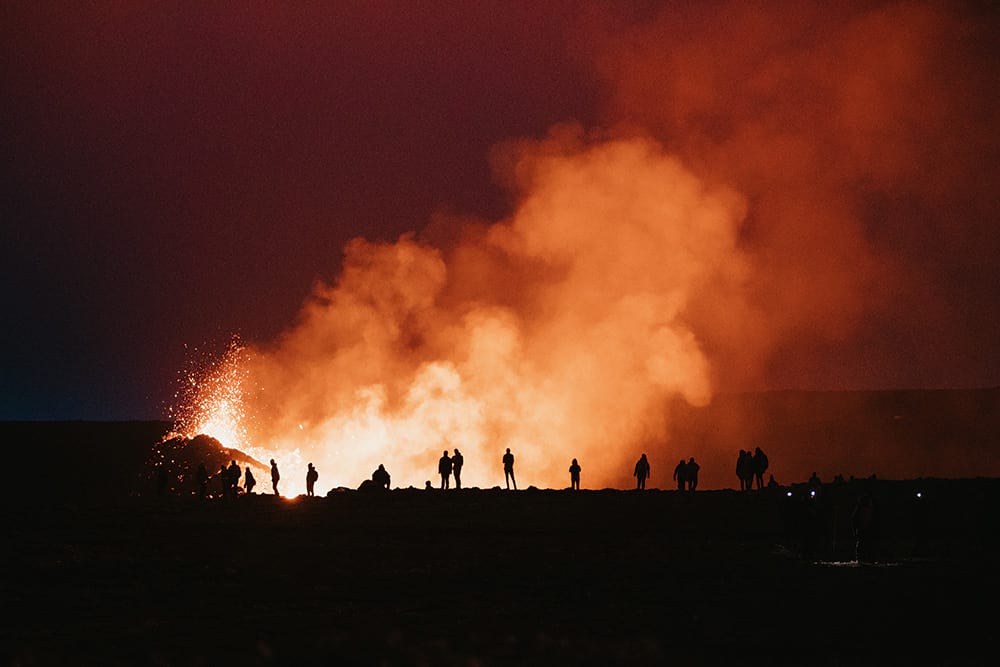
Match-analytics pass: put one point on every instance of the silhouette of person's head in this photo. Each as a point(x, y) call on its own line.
point(574, 461)
point(456, 450)
point(272, 461)
point(445, 452)
point(691, 460)
point(508, 450)
point(310, 466)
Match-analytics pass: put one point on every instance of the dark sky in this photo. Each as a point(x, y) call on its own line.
point(179, 173)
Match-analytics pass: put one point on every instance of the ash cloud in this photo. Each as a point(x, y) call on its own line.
point(864, 138)
point(780, 198)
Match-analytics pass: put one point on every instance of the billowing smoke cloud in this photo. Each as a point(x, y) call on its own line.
point(559, 333)
point(748, 217)
point(864, 138)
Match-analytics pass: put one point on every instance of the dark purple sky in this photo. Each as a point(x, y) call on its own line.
point(179, 173)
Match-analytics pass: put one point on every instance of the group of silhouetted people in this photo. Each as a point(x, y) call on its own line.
point(750, 467)
point(451, 465)
point(229, 479)
point(686, 474)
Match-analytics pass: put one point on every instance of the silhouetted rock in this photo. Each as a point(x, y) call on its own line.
point(176, 459)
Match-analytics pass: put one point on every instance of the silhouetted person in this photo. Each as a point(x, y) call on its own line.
point(311, 477)
point(680, 475)
point(456, 467)
point(248, 481)
point(202, 478)
point(744, 470)
point(444, 469)
point(642, 470)
point(232, 478)
point(427, 486)
point(508, 469)
point(814, 482)
point(275, 476)
point(381, 477)
point(161, 480)
point(772, 483)
point(574, 476)
point(692, 474)
point(759, 465)
point(863, 524)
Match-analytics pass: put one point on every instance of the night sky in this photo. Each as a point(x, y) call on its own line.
point(180, 173)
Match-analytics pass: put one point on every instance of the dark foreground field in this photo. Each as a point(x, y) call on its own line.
point(496, 578)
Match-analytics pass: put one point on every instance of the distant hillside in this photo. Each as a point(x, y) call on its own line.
point(85, 461)
point(894, 434)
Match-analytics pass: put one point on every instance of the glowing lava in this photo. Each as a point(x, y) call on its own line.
point(212, 399)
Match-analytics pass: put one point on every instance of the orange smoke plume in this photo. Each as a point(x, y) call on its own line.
point(745, 216)
point(560, 333)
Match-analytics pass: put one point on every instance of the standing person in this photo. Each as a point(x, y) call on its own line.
point(233, 475)
point(444, 468)
point(248, 481)
point(275, 476)
point(680, 474)
point(742, 464)
point(508, 469)
point(456, 467)
point(642, 470)
point(759, 466)
point(202, 478)
point(691, 472)
point(311, 477)
point(574, 476)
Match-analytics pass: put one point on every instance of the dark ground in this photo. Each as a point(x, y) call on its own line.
point(93, 575)
point(493, 578)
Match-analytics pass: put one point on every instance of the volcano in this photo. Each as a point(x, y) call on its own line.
point(179, 457)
